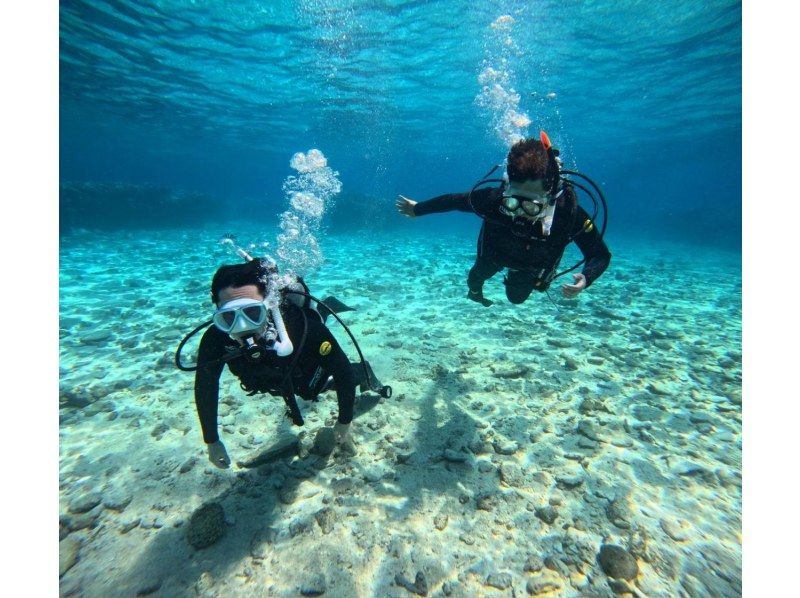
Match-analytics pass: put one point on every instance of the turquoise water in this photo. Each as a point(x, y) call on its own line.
point(519, 438)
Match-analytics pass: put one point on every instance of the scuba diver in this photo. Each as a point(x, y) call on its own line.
point(528, 221)
point(274, 339)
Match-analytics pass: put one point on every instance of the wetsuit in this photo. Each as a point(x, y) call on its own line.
point(309, 376)
point(519, 244)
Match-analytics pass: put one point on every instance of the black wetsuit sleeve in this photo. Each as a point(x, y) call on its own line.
point(480, 203)
point(335, 363)
point(206, 382)
point(592, 247)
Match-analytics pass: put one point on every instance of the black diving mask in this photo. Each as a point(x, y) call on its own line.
point(526, 197)
point(532, 207)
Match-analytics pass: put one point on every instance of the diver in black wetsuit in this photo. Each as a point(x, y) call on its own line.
point(527, 224)
point(284, 351)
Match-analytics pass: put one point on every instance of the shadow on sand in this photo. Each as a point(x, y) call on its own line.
point(257, 501)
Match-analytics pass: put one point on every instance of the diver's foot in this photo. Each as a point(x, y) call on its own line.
point(478, 297)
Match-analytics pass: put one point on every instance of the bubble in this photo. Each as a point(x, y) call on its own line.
point(313, 160)
point(307, 204)
point(497, 95)
point(519, 120)
point(503, 22)
point(310, 193)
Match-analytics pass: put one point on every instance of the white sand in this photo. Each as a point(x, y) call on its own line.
point(621, 410)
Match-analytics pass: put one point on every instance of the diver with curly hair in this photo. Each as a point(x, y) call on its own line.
point(528, 222)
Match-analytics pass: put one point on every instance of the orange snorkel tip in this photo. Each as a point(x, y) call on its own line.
point(545, 140)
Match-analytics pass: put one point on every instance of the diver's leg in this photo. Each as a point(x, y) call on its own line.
point(483, 269)
point(519, 285)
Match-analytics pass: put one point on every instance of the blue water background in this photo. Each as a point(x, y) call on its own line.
point(216, 97)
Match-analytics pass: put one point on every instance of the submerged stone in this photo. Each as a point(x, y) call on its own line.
point(455, 456)
point(315, 586)
point(206, 526)
point(647, 413)
point(325, 519)
point(512, 474)
point(506, 448)
point(501, 581)
point(69, 398)
point(96, 337)
point(117, 500)
point(440, 521)
point(324, 442)
point(617, 562)
point(285, 447)
point(536, 587)
point(569, 480)
point(618, 513)
point(419, 586)
point(85, 502)
point(677, 529)
point(533, 564)
point(547, 514)
point(68, 554)
point(149, 587)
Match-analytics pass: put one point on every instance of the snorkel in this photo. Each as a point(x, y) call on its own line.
point(553, 168)
point(283, 346)
point(230, 240)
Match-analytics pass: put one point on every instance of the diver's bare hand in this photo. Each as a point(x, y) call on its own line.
point(571, 290)
point(218, 455)
point(405, 206)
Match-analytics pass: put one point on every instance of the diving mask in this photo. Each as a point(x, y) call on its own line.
point(244, 319)
point(532, 207)
point(529, 199)
point(518, 197)
point(241, 317)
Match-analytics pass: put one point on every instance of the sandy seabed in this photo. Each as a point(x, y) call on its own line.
point(518, 442)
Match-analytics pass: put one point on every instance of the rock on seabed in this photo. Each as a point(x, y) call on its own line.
point(617, 562)
point(206, 526)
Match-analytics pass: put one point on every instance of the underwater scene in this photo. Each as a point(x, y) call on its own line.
point(400, 298)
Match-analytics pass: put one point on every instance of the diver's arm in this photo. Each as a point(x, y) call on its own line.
point(592, 247)
point(206, 382)
point(337, 364)
point(479, 203)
